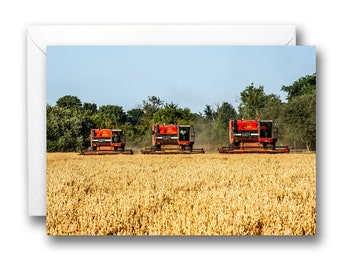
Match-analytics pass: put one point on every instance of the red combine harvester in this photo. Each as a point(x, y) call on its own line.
point(172, 139)
point(107, 142)
point(253, 136)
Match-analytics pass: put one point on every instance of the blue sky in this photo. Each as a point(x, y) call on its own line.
point(190, 76)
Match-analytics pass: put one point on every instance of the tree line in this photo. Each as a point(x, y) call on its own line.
point(69, 121)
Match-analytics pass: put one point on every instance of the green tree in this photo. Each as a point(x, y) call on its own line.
point(134, 116)
point(252, 99)
point(68, 124)
point(299, 119)
point(90, 108)
point(209, 113)
point(304, 85)
point(64, 130)
point(272, 107)
point(150, 107)
point(172, 115)
point(69, 102)
point(109, 115)
point(225, 112)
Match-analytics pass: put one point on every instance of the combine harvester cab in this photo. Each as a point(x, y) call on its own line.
point(172, 139)
point(107, 142)
point(253, 136)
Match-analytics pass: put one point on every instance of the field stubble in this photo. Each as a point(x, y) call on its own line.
point(210, 194)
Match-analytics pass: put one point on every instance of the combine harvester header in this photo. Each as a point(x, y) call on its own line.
point(253, 136)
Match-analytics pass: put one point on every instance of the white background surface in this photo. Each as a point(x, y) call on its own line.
point(23, 239)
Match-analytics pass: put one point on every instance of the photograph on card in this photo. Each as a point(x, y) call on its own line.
point(181, 140)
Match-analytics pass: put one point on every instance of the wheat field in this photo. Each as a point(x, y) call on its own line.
point(209, 194)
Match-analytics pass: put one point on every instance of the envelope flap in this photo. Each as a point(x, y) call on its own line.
point(42, 36)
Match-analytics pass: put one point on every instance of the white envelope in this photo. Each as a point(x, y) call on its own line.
point(39, 37)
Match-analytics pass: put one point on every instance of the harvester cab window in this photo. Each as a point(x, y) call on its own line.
point(184, 133)
point(116, 137)
point(234, 124)
point(265, 129)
